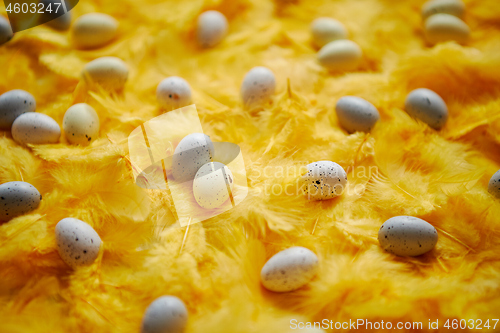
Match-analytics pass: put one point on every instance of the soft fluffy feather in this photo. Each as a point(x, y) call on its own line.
point(401, 167)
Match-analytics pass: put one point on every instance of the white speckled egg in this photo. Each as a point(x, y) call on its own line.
point(212, 185)
point(211, 29)
point(356, 114)
point(407, 236)
point(451, 7)
point(258, 86)
point(6, 33)
point(441, 28)
point(173, 92)
point(325, 30)
point(340, 55)
point(192, 152)
point(165, 314)
point(429, 107)
point(81, 124)
point(494, 184)
point(77, 242)
point(111, 73)
point(14, 103)
point(17, 198)
point(94, 30)
point(324, 180)
point(289, 269)
point(36, 128)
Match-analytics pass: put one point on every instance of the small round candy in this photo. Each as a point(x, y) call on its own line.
point(258, 85)
point(325, 29)
point(211, 29)
point(173, 92)
point(94, 30)
point(77, 242)
point(212, 185)
point(340, 55)
point(494, 184)
point(356, 114)
point(35, 128)
point(452, 7)
point(13, 103)
point(427, 106)
point(289, 269)
point(6, 33)
point(407, 236)
point(324, 180)
point(17, 198)
point(166, 314)
point(111, 73)
point(81, 124)
point(441, 28)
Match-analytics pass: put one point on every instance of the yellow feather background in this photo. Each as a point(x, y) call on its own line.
point(214, 266)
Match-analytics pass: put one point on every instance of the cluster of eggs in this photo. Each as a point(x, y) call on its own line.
point(443, 21)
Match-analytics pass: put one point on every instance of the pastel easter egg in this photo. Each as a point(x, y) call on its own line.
point(6, 33)
point(173, 92)
point(451, 7)
point(441, 28)
point(356, 114)
point(212, 185)
point(325, 30)
point(13, 103)
point(289, 269)
point(192, 152)
point(77, 242)
point(94, 30)
point(165, 314)
point(340, 55)
point(429, 107)
point(211, 29)
point(258, 85)
point(324, 180)
point(35, 128)
point(17, 198)
point(110, 73)
point(494, 184)
point(81, 124)
point(407, 236)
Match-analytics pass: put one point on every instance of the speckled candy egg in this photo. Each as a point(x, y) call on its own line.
point(258, 86)
point(94, 30)
point(6, 33)
point(289, 269)
point(212, 185)
point(356, 114)
point(340, 55)
point(166, 314)
point(407, 236)
point(324, 180)
point(427, 106)
point(192, 152)
point(173, 92)
point(110, 73)
point(77, 242)
point(14, 103)
point(441, 28)
point(325, 29)
point(17, 198)
point(211, 28)
point(494, 184)
point(81, 124)
point(452, 7)
point(36, 128)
